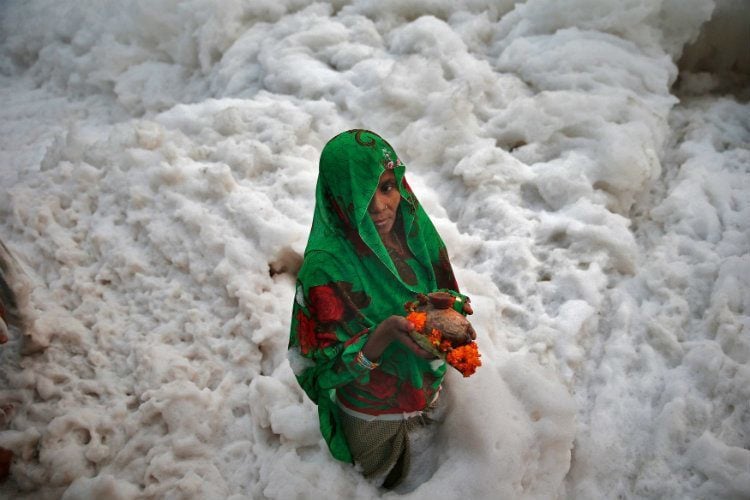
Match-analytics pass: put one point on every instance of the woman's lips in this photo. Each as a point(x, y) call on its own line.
point(381, 222)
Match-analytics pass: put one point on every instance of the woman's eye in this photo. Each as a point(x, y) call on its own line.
point(387, 187)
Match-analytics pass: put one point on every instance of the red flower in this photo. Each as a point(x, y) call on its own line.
point(410, 398)
point(306, 333)
point(325, 304)
point(382, 385)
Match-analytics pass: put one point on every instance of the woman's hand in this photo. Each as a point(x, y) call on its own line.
point(390, 329)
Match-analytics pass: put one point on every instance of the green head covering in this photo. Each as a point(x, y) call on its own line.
point(350, 168)
point(349, 283)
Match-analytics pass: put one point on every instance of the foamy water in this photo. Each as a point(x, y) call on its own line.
point(158, 163)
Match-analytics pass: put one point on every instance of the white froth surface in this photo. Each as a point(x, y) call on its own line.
point(157, 170)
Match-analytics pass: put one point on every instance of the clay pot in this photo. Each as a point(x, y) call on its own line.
point(438, 306)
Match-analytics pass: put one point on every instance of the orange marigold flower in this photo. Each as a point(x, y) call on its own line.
point(435, 337)
point(417, 319)
point(465, 359)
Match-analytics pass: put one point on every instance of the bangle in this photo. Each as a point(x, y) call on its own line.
point(364, 362)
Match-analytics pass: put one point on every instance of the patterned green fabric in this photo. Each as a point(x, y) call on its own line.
point(348, 284)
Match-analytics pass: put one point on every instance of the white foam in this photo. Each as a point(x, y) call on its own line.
point(160, 164)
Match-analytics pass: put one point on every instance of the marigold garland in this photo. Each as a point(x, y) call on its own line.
point(465, 358)
point(445, 346)
point(417, 319)
point(435, 338)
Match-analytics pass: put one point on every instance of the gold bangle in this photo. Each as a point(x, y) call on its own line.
point(364, 362)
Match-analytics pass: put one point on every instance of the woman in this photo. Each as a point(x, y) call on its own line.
point(371, 249)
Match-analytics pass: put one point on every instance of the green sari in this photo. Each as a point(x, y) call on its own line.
point(349, 283)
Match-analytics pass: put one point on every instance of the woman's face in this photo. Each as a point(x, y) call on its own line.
point(384, 204)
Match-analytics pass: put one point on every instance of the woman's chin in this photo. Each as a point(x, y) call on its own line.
point(384, 230)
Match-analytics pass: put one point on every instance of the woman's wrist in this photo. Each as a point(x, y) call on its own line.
point(365, 362)
point(376, 344)
point(390, 329)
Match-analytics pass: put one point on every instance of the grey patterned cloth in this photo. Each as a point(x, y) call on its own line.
point(382, 447)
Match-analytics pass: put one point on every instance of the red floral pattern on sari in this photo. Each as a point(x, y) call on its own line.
point(410, 398)
point(325, 304)
point(312, 335)
point(306, 333)
point(387, 394)
point(382, 385)
point(350, 231)
point(444, 271)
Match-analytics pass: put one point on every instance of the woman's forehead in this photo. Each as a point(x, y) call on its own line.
point(386, 176)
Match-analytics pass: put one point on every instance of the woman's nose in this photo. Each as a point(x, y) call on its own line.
point(377, 204)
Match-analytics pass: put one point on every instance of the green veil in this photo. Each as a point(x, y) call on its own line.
point(348, 282)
